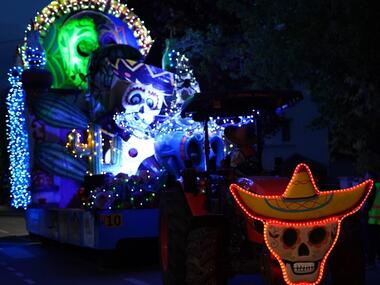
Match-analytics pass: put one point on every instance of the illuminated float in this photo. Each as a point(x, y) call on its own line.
point(87, 124)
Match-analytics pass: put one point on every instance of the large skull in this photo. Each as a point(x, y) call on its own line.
point(142, 104)
point(301, 250)
point(143, 101)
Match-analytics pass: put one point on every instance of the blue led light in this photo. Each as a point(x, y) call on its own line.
point(18, 147)
point(35, 57)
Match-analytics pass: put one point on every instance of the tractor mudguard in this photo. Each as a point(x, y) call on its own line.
point(197, 204)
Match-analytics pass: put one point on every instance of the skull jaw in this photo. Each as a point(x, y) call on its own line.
point(140, 119)
point(136, 123)
point(302, 271)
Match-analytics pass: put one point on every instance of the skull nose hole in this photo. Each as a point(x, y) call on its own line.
point(141, 109)
point(303, 250)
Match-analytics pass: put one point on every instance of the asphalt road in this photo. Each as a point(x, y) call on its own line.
point(25, 260)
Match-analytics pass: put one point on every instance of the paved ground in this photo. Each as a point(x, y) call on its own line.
point(24, 260)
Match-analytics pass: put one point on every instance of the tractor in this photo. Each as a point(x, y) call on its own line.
point(204, 238)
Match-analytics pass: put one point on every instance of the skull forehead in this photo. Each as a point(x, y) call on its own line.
point(144, 91)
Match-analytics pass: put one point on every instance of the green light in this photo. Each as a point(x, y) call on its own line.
point(77, 39)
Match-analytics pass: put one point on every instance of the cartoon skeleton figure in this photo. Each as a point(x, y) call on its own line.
point(302, 225)
point(142, 102)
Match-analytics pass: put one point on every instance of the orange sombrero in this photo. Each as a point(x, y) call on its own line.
point(301, 200)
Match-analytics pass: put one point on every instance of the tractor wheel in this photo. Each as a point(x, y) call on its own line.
point(188, 256)
point(205, 260)
point(270, 269)
point(174, 228)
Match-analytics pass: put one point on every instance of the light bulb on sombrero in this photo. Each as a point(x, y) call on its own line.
point(302, 225)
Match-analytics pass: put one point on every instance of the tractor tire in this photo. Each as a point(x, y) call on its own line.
point(175, 219)
point(188, 256)
point(205, 259)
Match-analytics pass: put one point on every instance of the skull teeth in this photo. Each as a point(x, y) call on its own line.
point(303, 267)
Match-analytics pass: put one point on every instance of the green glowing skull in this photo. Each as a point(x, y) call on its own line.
point(77, 39)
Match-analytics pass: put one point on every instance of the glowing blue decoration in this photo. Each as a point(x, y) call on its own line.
point(18, 146)
point(35, 57)
point(172, 150)
point(186, 83)
point(14, 76)
point(34, 54)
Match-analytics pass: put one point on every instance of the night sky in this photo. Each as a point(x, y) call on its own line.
point(15, 16)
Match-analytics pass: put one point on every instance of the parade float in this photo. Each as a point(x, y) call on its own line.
point(94, 131)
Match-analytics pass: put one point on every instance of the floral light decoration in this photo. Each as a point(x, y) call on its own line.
point(302, 225)
point(18, 146)
point(187, 84)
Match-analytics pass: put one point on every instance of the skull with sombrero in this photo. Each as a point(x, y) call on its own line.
point(302, 225)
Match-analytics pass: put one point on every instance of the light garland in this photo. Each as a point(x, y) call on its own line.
point(18, 147)
point(56, 9)
point(128, 192)
point(92, 149)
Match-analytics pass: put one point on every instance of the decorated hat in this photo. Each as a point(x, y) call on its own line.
point(241, 135)
point(139, 72)
point(301, 201)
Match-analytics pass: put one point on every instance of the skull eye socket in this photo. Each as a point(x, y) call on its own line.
point(317, 235)
point(289, 237)
point(152, 102)
point(134, 98)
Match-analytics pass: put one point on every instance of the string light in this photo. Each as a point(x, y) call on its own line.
point(18, 146)
point(186, 83)
point(128, 192)
point(35, 57)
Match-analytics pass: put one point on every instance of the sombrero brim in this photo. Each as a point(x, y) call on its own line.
point(324, 205)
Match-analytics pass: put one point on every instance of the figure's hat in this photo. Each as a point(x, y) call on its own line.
point(139, 72)
point(301, 200)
